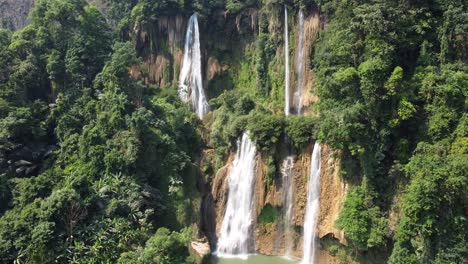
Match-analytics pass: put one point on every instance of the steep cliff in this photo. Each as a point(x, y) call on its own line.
point(14, 13)
point(332, 193)
point(269, 235)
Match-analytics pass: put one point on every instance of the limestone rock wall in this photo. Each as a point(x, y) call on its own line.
point(269, 237)
point(332, 194)
point(161, 44)
point(14, 13)
point(311, 29)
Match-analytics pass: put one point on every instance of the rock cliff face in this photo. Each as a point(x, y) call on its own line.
point(164, 44)
point(332, 193)
point(14, 13)
point(161, 45)
point(311, 28)
point(269, 237)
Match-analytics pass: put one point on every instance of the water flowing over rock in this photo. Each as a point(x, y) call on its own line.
point(299, 65)
point(287, 92)
point(312, 210)
point(287, 172)
point(190, 78)
point(236, 234)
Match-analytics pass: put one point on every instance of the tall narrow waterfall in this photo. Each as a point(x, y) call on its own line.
point(312, 209)
point(297, 100)
point(288, 174)
point(236, 236)
point(287, 93)
point(190, 78)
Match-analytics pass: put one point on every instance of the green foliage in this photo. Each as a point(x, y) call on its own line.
point(269, 214)
point(362, 220)
point(265, 130)
point(271, 172)
point(124, 151)
point(93, 162)
point(377, 103)
point(163, 247)
point(301, 129)
point(433, 223)
point(235, 6)
point(230, 119)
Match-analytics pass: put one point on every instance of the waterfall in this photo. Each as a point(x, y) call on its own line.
point(287, 93)
point(312, 210)
point(190, 78)
point(297, 100)
point(236, 229)
point(288, 174)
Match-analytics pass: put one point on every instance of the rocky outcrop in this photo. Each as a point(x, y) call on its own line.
point(25, 161)
point(200, 251)
point(332, 193)
point(311, 29)
point(161, 46)
point(214, 202)
point(14, 13)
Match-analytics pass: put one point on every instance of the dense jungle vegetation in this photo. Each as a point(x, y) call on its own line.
point(97, 166)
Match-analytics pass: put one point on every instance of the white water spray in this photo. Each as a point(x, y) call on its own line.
point(312, 210)
point(297, 100)
point(236, 230)
point(287, 93)
point(190, 78)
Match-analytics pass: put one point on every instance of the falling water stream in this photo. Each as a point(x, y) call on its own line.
point(297, 99)
point(312, 209)
point(288, 175)
point(190, 78)
point(236, 236)
point(287, 93)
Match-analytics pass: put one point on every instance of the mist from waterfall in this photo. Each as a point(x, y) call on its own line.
point(190, 78)
point(312, 209)
point(236, 235)
point(287, 92)
point(299, 67)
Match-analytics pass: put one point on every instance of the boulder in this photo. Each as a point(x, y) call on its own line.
point(200, 250)
point(21, 163)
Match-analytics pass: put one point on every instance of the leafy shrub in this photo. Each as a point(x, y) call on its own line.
point(265, 130)
point(361, 220)
point(269, 214)
point(301, 129)
point(164, 247)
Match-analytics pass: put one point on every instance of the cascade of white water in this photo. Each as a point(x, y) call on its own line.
point(236, 229)
point(312, 209)
point(190, 78)
point(288, 173)
point(297, 100)
point(287, 93)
